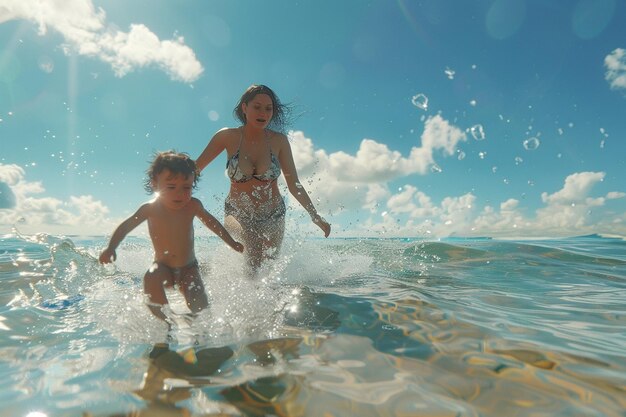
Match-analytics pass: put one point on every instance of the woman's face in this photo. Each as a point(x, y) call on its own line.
point(258, 111)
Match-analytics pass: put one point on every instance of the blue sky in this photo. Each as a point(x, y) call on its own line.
point(89, 89)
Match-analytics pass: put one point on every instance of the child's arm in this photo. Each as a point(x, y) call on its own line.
point(108, 255)
point(216, 227)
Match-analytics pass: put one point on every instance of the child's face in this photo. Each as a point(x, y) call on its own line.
point(173, 190)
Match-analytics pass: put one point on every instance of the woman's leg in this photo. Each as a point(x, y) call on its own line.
point(261, 238)
point(272, 238)
point(246, 234)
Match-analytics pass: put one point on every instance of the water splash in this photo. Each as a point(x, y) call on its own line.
point(478, 132)
point(531, 144)
point(420, 101)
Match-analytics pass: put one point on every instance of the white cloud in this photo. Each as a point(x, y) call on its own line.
point(440, 134)
point(508, 221)
point(566, 212)
point(7, 198)
point(403, 201)
point(11, 174)
point(375, 194)
point(375, 162)
point(414, 202)
point(80, 215)
point(615, 64)
point(360, 183)
point(569, 208)
point(85, 33)
point(344, 181)
point(614, 195)
point(575, 189)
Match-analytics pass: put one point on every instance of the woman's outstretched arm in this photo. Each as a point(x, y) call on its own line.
point(296, 189)
point(215, 146)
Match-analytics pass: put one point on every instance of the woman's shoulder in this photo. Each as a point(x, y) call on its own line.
point(226, 132)
point(277, 136)
point(226, 136)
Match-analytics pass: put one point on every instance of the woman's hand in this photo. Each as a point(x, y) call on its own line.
point(238, 247)
point(322, 224)
point(107, 256)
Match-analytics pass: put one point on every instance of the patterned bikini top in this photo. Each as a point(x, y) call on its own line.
point(236, 175)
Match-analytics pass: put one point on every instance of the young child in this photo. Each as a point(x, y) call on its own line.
point(170, 216)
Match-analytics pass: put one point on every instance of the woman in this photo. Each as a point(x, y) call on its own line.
point(254, 209)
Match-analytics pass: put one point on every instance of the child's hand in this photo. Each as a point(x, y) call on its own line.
point(238, 247)
point(107, 256)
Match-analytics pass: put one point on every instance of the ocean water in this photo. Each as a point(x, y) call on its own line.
point(337, 327)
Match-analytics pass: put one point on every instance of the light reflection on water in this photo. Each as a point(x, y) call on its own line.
point(364, 327)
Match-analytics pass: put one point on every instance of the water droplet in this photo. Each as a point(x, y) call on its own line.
point(494, 169)
point(436, 168)
point(518, 160)
point(482, 155)
point(420, 101)
point(473, 103)
point(477, 132)
point(531, 144)
point(46, 64)
point(461, 155)
point(602, 144)
point(450, 73)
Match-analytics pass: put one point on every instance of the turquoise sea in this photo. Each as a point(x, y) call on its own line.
point(337, 327)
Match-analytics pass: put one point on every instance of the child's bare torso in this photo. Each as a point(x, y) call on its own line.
point(172, 234)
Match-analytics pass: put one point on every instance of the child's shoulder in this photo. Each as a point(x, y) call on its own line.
point(195, 204)
point(144, 211)
point(152, 204)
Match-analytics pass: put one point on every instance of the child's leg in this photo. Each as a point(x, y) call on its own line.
point(154, 283)
point(192, 287)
